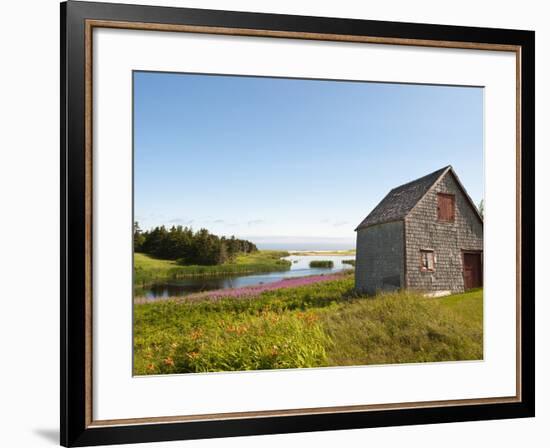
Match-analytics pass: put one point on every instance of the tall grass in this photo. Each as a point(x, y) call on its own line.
point(406, 328)
point(324, 324)
point(265, 340)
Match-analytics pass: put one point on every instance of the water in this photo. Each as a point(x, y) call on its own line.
point(304, 246)
point(299, 268)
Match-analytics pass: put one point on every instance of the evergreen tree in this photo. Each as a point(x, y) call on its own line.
point(182, 244)
point(139, 238)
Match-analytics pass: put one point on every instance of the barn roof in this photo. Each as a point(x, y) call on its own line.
point(400, 201)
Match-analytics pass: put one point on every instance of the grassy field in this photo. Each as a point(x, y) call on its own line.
point(148, 270)
point(318, 325)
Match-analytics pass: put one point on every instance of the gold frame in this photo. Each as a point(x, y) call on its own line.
point(89, 26)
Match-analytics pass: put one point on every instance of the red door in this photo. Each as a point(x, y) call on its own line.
point(473, 271)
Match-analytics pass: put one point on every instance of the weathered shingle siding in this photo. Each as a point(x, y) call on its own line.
point(400, 200)
point(379, 257)
point(424, 231)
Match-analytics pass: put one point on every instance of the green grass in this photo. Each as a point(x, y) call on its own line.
point(321, 264)
point(324, 324)
point(149, 270)
point(407, 328)
point(263, 256)
point(350, 262)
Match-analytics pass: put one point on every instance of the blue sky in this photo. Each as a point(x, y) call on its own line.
point(289, 162)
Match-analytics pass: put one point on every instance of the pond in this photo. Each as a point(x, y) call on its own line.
point(299, 268)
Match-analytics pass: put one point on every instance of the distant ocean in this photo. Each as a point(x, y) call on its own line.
point(306, 246)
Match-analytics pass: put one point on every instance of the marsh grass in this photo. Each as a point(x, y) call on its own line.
point(149, 270)
point(324, 324)
point(321, 264)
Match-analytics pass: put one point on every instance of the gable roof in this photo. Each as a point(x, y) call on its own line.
point(401, 200)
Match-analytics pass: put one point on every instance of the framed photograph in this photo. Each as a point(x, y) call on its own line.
point(278, 223)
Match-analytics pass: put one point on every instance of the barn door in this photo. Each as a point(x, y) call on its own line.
point(473, 271)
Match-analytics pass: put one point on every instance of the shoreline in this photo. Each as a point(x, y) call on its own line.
point(304, 253)
point(245, 292)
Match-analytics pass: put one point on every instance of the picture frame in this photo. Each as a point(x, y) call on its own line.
point(79, 20)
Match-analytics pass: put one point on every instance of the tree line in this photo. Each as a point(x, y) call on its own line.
point(189, 247)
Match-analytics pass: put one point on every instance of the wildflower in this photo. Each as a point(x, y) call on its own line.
point(151, 367)
point(241, 329)
point(253, 291)
point(169, 361)
point(196, 334)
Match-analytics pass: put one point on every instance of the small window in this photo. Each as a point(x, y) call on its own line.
point(445, 207)
point(427, 260)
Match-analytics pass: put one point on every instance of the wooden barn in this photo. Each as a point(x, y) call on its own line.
point(425, 235)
